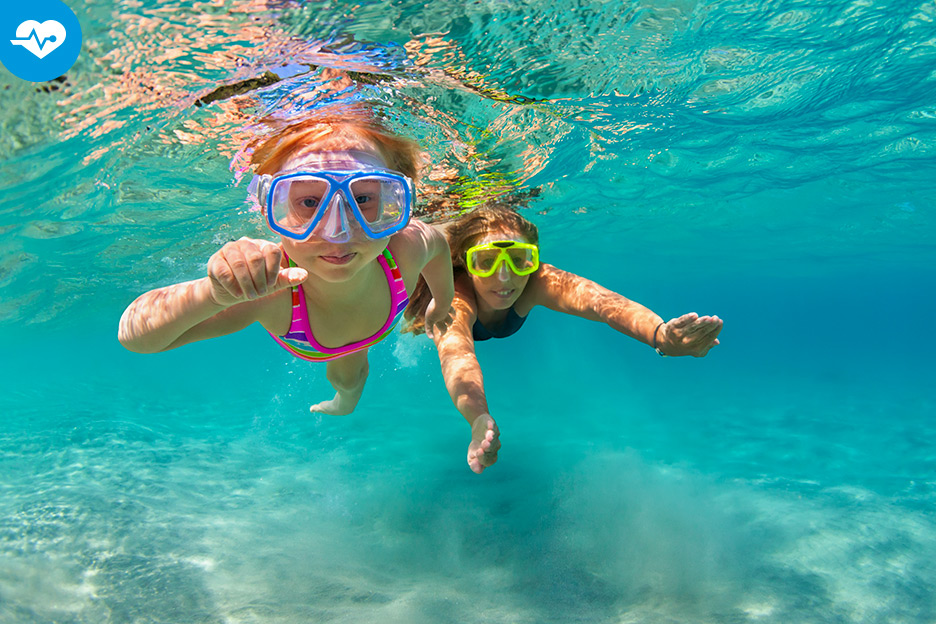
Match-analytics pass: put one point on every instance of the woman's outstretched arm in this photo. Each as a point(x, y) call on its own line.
point(689, 334)
point(465, 382)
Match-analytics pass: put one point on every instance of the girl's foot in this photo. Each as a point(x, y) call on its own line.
point(341, 405)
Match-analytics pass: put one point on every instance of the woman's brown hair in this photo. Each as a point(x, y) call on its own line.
point(462, 234)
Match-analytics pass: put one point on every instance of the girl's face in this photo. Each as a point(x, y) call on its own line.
point(334, 262)
point(502, 289)
point(323, 254)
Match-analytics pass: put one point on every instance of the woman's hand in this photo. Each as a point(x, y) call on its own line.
point(248, 269)
point(440, 319)
point(689, 334)
point(485, 442)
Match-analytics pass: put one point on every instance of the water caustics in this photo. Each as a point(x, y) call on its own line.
point(636, 108)
point(775, 484)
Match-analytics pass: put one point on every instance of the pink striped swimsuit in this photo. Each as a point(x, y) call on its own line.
point(299, 339)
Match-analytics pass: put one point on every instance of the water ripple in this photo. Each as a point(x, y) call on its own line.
point(640, 104)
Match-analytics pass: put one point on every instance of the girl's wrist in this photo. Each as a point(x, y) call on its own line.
point(207, 293)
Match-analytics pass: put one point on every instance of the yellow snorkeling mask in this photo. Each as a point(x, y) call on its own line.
point(484, 260)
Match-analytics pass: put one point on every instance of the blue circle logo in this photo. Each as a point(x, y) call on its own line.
point(39, 39)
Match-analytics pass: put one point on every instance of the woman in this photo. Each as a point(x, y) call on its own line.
point(498, 281)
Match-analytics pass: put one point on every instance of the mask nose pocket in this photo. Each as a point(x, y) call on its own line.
point(334, 226)
point(503, 270)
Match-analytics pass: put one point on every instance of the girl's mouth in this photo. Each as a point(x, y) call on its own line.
point(345, 259)
point(504, 294)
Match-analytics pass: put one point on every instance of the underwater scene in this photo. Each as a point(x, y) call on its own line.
point(772, 163)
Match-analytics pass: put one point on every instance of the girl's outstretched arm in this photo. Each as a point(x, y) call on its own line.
point(689, 334)
point(436, 270)
point(225, 301)
point(465, 383)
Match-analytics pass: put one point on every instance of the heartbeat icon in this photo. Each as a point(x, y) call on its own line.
point(40, 39)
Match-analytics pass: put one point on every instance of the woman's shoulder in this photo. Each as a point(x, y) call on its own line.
point(545, 285)
point(549, 276)
point(464, 288)
point(465, 302)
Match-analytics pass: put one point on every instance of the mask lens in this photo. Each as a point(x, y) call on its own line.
point(296, 202)
point(522, 259)
point(484, 261)
point(381, 201)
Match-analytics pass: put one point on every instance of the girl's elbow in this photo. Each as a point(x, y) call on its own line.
point(135, 341)
point(135, 344)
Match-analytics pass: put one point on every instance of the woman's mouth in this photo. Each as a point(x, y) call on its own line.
point(336, 259)
point(505, 293)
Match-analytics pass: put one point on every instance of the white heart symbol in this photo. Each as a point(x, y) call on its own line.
point(40, 39)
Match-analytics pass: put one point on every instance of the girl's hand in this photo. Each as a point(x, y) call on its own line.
point(248, 269)
point(440, 319)
point(689, 334)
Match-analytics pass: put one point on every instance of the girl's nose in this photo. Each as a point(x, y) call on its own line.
point(503, 272)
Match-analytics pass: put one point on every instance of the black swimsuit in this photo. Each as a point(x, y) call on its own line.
point(509, 327)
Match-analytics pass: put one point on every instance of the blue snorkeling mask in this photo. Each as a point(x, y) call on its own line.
point(335, 203)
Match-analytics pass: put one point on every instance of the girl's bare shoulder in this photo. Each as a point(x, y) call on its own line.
point(415, 244)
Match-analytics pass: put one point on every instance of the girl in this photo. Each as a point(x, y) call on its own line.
point(338, 192)
point(498, 280)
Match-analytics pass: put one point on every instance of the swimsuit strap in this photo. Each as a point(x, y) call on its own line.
point(299, 339)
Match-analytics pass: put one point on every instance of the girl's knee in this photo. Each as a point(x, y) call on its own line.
point(347, 375)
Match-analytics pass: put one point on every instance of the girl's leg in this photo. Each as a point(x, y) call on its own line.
point(347, 376)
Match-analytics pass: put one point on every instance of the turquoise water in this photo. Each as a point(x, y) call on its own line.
point(772, 163)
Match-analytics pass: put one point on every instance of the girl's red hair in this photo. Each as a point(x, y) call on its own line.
point(353, 130)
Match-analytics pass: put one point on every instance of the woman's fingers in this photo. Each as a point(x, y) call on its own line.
point(436, 320)
point(698, 325)
point(692, 334)
point(683, 321)
point(706, 330)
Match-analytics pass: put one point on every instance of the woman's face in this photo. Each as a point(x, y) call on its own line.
point(502, 289)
